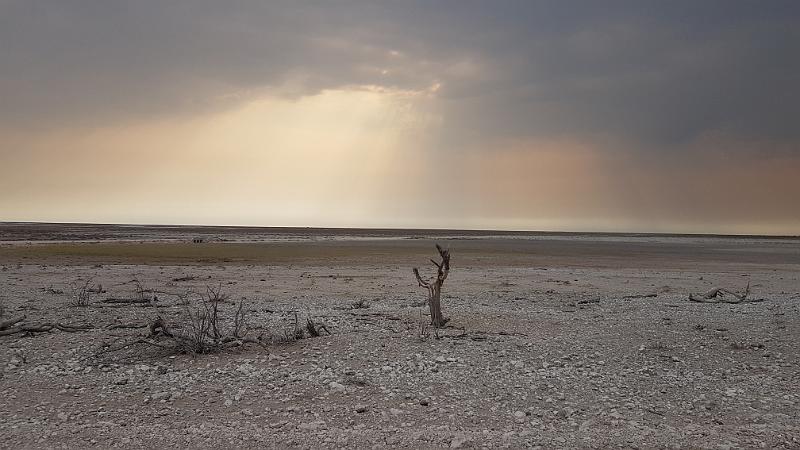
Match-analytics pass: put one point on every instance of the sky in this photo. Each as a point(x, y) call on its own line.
point(649, 116)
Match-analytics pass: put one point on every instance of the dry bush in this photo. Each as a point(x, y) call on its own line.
point(360, 304)
point(311, 329)
point(203, 328)
point(51, 290)
point(81, 293)
point(142, 292)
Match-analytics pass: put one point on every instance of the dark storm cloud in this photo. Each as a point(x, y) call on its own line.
point(658, 74)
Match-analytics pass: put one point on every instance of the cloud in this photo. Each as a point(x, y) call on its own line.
point(96, 62)
point(656, 73)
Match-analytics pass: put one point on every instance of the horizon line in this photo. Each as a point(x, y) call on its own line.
point(473, 230)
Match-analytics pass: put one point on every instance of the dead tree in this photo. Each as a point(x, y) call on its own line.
point(434, 286)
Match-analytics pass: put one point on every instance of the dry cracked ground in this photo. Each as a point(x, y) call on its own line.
point(561, 343)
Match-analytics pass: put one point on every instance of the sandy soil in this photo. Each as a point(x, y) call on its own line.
point(556, 340)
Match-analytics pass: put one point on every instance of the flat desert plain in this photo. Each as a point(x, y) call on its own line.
point(554, 340)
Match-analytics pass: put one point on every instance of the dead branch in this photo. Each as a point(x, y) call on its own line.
point(298, 332)
point(434, 286)
point(186, 278)
point(10, 331)
point(722, 295)
point(127, 301)
point(45, 327)
point(74, 328)
point(386, 316)
point(314, 328)
point(128, 325)
point(27, 329)
point(10, 323)
point(588, 301)
point(239, 325)
point(651, 295)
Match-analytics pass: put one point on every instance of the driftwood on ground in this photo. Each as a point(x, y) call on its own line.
point(722, 295)
point(11, 322)
point(138, 300)
point(633, 296)
point(11, 327)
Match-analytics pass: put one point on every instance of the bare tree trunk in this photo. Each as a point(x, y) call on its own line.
point(434, 287)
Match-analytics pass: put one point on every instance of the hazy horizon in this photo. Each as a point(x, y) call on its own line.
point(575, 116)
point(399, 229)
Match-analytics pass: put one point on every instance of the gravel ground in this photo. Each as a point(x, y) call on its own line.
point(572, 354)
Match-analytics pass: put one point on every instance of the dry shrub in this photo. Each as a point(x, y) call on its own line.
point(203, 328)
point(142, 292)
point(311, 329)
point(360, 304)
point(81, 293)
